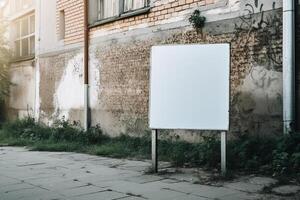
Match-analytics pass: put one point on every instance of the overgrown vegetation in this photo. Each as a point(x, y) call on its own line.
point(274, 156)
point(5, 56)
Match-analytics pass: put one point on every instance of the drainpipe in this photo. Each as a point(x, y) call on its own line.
point(86, 66)
point(288, 66)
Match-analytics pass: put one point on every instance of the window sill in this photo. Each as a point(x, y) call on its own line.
point(122, 16)
point(21, 59)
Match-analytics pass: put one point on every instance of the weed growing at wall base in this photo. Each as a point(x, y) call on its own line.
point(274, 156)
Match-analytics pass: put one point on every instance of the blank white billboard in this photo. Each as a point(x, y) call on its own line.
point(190, 87)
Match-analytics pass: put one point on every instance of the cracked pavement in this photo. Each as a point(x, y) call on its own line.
point(30, 175)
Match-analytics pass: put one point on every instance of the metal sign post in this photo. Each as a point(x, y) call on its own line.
point(154, 151)
point(223, 152)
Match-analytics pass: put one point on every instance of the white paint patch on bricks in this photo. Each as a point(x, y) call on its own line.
point(69, 93)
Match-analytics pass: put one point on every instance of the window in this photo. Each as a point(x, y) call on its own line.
point(113, 8)
point(107, 8)
point(61, 34)
point(25, 36)
point(130, 5)
point(22, 4)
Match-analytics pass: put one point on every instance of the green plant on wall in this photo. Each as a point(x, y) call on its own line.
point(197, 21)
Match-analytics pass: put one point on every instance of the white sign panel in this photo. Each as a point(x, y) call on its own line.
point(190, 87)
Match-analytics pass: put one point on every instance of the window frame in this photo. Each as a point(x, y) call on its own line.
point(19, 37)
point(122, 13)
point(146, 4)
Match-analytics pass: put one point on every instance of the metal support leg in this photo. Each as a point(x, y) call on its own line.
point(154, 151)
point(223, 152)
point(86, 107)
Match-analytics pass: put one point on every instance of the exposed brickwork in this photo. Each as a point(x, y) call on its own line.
point(123, 67)
point(73, 19)
point(51, 71)
point(161, 10)
point(123, 97)
point(124, 79)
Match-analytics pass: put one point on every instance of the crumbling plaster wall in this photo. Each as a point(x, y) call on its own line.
point(119, 72)
point(21, 100)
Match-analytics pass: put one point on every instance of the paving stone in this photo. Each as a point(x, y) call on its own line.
point(15, 187)
point(4, 181)
point(27, 193)
point(265, 181)
point(81, 190)
point(184, 177)
point(63, 185)
point(152, 190)
point(45, 196)
point(245, 187)
point(167, 180)
point(144, 179)
point(240, 195)
point(201, 190)
point(132, 198)
point(134, 188)
point(105, 195)
point(286, 189)
point(30, 175)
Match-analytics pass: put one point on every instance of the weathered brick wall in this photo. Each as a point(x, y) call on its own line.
point(120, 94)
point(61, 87)
point(120, 63)
point(255, 79)
point(160, 11)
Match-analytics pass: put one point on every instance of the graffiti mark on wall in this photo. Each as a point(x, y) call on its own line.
point(267, 30)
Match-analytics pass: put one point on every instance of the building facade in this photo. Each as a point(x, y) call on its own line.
point(19, 15)
point(47, 37)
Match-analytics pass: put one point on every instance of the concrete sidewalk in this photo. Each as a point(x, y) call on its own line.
point(60, 176)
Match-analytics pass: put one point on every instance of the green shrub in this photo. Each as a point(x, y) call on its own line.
point(281, 163)
point(295, 162)
point(286, 156)
point(250, 152)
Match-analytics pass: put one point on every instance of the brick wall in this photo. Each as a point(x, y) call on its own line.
point(120, 96)
point(119, 67)
point(161, 10)
point(73, 20)
point(255, 81)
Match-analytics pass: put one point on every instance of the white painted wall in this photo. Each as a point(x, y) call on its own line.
point(47, 32)
point(22, 90)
